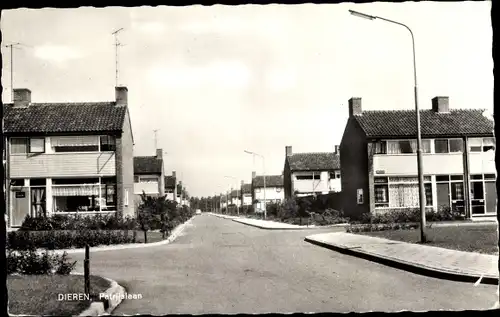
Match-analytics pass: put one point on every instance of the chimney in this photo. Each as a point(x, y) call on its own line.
point(159, 154)
point(440, 104)
point(173, 173)
point(337, 149)
point(22, 97)
point(355, 106)
point(288, 150)
point(254, 174)
point(121, 95)
point(242, 183)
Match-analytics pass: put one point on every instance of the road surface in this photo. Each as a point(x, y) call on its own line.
point(220, 266)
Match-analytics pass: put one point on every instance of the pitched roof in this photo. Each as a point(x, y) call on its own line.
point(235, 193)
point(271, 181)
point(64, 117)
point(170, 182)
point(246, 188)
point(313, 161)
point(401, 123)
point(147, 165)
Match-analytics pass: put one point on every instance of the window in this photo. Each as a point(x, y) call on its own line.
point(448, 146)
point(481, 144)
point(360, 196)
point(37, 145)
point(19, 145)
point(108, 143)
point(441, 146)
point(407, 146)
point(17, 182)
point(86, 143)
point(400, 191)
point(148, 179)
point(136, 179)
point(38, 182)
point(380, 147)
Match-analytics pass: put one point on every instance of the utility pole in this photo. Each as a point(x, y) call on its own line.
point(12, 46)
point(117, 44)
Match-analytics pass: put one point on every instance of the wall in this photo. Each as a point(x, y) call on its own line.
point(272, 193)
point(148, 188)
point(406, 164)
point(125, 170)
point(247, 199)
point(354, 169)
point(323, 185)
point(62, 164)
point(287, 180)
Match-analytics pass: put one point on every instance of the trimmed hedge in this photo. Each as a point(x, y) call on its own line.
point(78, 222)
point(66, 239)
point(407, 215)
point(30, 263)
point(381, 227)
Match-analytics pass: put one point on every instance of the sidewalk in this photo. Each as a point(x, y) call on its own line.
point(421, 259)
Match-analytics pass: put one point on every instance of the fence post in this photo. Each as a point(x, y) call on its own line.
point(86, 270)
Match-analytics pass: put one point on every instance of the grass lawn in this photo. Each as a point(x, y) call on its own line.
point(38, 294)
point(153, 236)
point(480, 238)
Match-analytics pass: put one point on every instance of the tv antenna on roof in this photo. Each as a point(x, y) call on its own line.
point(117, 44)
point(12, 46)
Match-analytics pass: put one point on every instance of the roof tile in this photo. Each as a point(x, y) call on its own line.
point(271, 181)
point(313, 161)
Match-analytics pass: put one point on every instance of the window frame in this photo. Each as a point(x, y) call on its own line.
point(385, 181)
point(30, 150)
point(26, 145)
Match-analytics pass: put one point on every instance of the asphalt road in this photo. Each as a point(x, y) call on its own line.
point(220, 266)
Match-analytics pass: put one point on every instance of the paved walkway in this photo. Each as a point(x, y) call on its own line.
point(429, 260)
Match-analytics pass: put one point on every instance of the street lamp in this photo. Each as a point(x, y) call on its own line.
point(423, 237)
point(264, 176)
point(237, 209)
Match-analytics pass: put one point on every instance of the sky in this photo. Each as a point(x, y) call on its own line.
point(218, 80)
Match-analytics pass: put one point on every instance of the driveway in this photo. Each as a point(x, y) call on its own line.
point(220, 266)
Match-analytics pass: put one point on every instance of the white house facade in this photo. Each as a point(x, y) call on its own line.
point(272, 193)
point(311, 173)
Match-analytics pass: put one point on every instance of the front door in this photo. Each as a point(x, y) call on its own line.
point(491, 197)
point(477, 198)
point(38, 202)
point(20, 206)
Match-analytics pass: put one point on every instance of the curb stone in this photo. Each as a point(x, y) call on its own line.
point(412, 267)
point(102, 307)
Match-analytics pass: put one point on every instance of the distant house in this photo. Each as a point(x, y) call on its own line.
point(311, 173)
point(67, 158)
point(274, 192)
point(246, 194)
point(235, 198)
point(379, 161)
point(171, 187)
point(149, 175)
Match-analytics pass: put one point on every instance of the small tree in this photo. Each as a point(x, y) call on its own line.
point(152, 214)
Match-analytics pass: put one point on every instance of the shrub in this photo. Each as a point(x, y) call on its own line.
point(31, 263)
point(380, 227)
point(407, 215)
point(64, 239)
point(78, 222)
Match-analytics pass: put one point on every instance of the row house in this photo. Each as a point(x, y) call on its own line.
point(235, 198)
point(273, 193)
point(246, 194)
point(67, 158)
point(311, 173)
point(149, 176)
point(171, 187)
point(379, 162)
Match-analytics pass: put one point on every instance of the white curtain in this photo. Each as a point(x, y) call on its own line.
point(90, 190)
point(83, 140)
point(403, 195)
point(38, 202)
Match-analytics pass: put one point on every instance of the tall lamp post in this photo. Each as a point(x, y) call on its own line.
point(237, 209)
point(264, 176)
point(423, 237)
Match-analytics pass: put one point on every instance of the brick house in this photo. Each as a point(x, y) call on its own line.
point(149, 175)
point(274, 190)
point(379, 161)
point(171, 187)
point(311, 173)
point(66, 158)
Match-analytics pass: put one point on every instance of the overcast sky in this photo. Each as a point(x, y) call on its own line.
point(221, 79)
